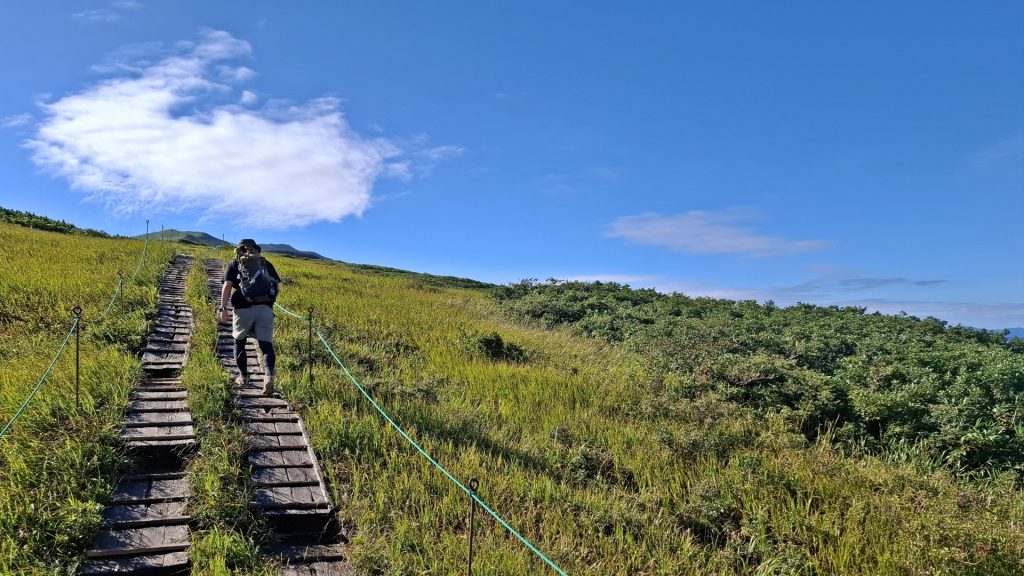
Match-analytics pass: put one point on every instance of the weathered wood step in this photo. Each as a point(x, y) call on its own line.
point(143, 419)
point(290, 497)
point(166, 346)
point(286, 427)
point(296, 476)
point(261, 416)
point(309, 553)
point(158, 433)
point(161, 380)
point(279, 459)
point(151, 357)
point(157, 406)
point(260, 402)
point(140, 541)
point(268, 443)
point(158, 395)
point(326, 568)
point(168, 563)
point(160, 444)
point(141, 515)
point(150, 491)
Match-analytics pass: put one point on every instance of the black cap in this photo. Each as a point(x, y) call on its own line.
point(249, 242)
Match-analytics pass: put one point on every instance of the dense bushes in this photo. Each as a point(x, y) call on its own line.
point(880, 383)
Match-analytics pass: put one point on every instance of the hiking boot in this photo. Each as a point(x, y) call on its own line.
point(268, 384)
point(241, 381)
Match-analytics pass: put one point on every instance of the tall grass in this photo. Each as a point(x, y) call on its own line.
point(594, 461)
point(606, 468)
point(58, 462)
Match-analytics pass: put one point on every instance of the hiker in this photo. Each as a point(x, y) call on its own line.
point(256, 286)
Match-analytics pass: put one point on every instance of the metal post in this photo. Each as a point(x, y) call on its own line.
point(473, 484)
point(147, 228)
point(309, 346)
point(77, 311)
point(120, 283)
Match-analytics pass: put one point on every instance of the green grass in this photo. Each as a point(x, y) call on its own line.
point(605, 466)
point(58, 463)
point(575, 446)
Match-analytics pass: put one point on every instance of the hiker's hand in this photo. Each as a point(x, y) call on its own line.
point(224, 316)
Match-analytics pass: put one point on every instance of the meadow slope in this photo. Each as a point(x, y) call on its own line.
point(570, 437)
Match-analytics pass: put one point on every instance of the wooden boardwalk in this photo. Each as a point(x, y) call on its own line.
point(145, 526)
point(289, 493)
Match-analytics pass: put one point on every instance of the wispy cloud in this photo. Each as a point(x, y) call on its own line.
point(16, 121)
point(703, 232)
point(114, 12)
point(168, 133)
point(619, 278)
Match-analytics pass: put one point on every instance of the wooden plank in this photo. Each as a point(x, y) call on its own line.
point(274, 427)
point(151, 357)
point(272, 416)
point(298, 497)
point(170, 562)
point(161, 380)
point(140, 541)
point(331, 569)
point(120, 513)
point(267, 442)
point(287, 458)
point(262, 402)
point(157, 406)
point(150, 491)
point(285, 476)
point(166, 346)
point(143, 419)
point(160, 444)
point(159, 395)
point(157, 433)
point(309, 553)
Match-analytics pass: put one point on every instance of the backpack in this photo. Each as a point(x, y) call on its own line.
point(254, 281)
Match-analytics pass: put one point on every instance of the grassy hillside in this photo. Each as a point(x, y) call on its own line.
point(587, 444)
point(56, 462)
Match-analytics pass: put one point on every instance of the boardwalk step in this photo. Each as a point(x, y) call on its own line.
point(148, 491)
point(168, 563)
point(140, 541)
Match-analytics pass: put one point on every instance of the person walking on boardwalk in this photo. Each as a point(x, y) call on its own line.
point(256, 285)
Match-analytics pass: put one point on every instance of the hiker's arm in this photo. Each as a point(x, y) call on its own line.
point(225, 296)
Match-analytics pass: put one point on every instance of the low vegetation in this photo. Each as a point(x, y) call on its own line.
point(58, 462)
point(621, 431)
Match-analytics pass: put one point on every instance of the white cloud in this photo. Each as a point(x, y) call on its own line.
point(701, 232)
point(113, 13)
point(16, 121)
point(618, 278)
point(168, 133)
point(248, 98)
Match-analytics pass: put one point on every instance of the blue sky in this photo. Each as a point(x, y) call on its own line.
point(867, 154)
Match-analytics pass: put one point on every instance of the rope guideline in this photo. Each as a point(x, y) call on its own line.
point(471, 493)
point(31, 395)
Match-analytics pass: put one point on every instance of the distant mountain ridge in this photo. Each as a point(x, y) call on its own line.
point(1015, 333)
point(204, 239)
point(188, 237)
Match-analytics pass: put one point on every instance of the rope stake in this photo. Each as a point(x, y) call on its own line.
point(77, 311)
point(473, 485)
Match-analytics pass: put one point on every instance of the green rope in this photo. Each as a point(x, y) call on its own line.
point(430, 459)
point(289, 312)
point(143, 257)
point(24, 404)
